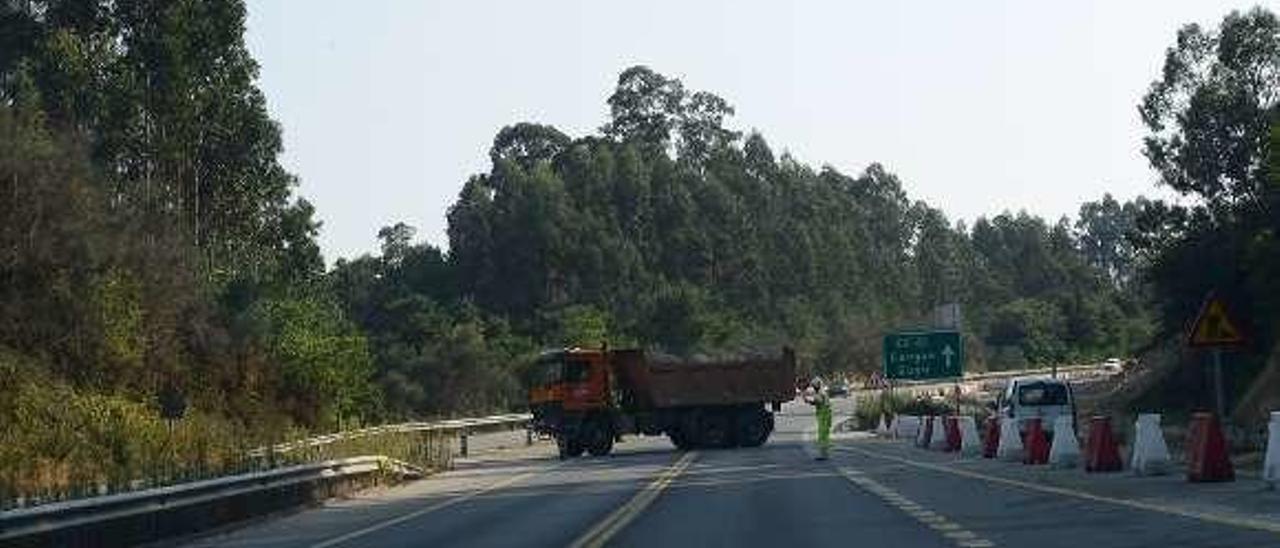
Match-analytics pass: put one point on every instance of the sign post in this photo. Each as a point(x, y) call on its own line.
point(1215, 329)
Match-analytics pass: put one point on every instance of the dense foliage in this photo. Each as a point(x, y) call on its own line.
point(1214, 121)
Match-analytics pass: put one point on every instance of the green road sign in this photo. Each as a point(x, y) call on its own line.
point(923, 355)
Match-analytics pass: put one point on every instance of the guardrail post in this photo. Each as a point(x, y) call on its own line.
point(462, 442)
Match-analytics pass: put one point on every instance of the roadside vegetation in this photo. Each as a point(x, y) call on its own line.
point(151, 244)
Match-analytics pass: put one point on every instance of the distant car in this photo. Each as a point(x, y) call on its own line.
point(1046, 398)
point(838, 389)
point(1113, 365)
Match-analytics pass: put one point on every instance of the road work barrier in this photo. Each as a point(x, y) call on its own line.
point(926, 432)
point(1150, 453)
point(1271, 463)
point(1037, 445)
point(1010, 444)
point(938, 439)
point(991, 441)
point(1065, 451)
point(1207, 458)
point(1101, 454)
point(970, 443)
point(906, 427)
point(882, 429)
point(953, 433)
point(293, 474)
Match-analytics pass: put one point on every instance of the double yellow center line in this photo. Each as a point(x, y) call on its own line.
point(618, 520)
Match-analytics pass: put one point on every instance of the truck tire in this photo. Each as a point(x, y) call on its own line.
point(754, 427)
point(598, 438)
point(716, 431)
point(679, 439)
point(569, 448)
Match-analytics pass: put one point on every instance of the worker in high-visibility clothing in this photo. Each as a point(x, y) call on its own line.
point(821, 403)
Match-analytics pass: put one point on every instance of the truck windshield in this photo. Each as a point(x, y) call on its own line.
point(1042, 394)
point(545, 372)
point(576, 370)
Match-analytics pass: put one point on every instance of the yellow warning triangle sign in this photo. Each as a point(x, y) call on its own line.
point(1214, 326)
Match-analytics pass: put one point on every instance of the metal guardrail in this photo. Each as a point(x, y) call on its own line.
point(54, 516)
point(48, 518)
point(481, 424)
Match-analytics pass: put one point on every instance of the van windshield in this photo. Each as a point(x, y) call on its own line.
point(1039, 393)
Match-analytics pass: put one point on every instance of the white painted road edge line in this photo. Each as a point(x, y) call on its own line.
point(442, 504)
point(1239, 522)
point(618, 520)
point(948, 529)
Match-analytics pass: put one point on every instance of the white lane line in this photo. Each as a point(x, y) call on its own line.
point(442, 504)
point(1238, 522)
point(949, 529)
point(616, 521)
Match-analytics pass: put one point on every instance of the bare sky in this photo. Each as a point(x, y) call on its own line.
point(978, 106)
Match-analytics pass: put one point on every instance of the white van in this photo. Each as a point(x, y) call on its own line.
point(1043, 397)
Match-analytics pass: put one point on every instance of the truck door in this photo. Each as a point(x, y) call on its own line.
point(586, 382)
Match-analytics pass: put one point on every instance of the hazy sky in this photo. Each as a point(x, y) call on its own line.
point(978, 106)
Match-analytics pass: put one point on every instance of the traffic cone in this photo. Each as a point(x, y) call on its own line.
point(1037, 445)
point(1010, 446)
point(1207, 458)
point(1271, 464)
point(1101, 454)
point(1150, 453)
point(970, 445)
point(1065, 452)
point(991, 440)
point(941, 439)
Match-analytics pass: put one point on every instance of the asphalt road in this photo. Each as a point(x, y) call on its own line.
point(648, 494)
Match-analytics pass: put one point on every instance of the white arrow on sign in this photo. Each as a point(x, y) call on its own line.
point(947, 353)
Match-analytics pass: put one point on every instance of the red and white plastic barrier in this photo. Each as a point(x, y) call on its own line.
point(1150, 453)
point(1010, 446)
point(1065, 451)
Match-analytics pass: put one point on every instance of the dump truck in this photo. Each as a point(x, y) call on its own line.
point(589, 398)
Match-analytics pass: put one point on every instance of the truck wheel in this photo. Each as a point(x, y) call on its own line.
point(599, 439)
point(569, 448)
point(680, 440)
point(715, 430)
point(754, 427)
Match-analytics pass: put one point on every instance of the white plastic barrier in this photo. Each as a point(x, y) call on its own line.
point(882, 429)
point(1150, 453)
point(938, 441)
point(926, 422)
point(906, 427)
point(1271, 464)
point(970, 443)
point(1065, 451)
point(931, 427)
point(1010, 447)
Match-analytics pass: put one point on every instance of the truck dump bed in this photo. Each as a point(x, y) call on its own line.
point(649, 382)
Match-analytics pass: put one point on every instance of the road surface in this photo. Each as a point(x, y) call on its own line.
point(869, 494)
